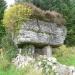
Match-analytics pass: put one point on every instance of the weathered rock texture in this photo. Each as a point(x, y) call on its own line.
point(40, 32)
point(58, 69)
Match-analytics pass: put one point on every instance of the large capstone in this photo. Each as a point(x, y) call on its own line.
point(41, 32)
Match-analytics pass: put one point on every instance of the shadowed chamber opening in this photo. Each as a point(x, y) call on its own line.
point(37, 49)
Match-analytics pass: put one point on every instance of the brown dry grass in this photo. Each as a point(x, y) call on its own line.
point(55, 17)
point(51, 16)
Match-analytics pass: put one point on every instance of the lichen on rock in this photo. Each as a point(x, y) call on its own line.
point(46, 33)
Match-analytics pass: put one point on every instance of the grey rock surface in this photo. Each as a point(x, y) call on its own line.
point(59, 69)
point(41, 32)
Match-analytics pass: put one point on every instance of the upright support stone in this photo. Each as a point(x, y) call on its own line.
point(20, 50)
point(47, 51)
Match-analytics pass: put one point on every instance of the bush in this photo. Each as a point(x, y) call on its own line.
point(65, 55)
point(2, 8)
point(61, 51)
point(4, 63)
point(9, 48)
point(16, 15)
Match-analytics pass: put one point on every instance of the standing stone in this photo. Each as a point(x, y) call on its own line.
point(47, 51)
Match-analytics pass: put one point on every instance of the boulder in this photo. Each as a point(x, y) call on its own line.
point(41, 32)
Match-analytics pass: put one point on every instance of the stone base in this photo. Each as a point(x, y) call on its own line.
point(59, 69)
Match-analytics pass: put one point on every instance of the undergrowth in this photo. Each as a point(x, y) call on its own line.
point(65, 55)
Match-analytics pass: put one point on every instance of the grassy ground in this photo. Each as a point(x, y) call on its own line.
point(65, 55)
point(26, 71)
point(70, 61)
point(10, 71)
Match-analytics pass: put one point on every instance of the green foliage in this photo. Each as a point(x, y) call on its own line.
point(61, 51)
point(57, 5)
point(65, 55)
point(71, 24)
point(9, 49)
point(43, 4)
point(15, 16)
point(22, 1)
point(4, 63)
point(2, 8)
point(2, 32)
